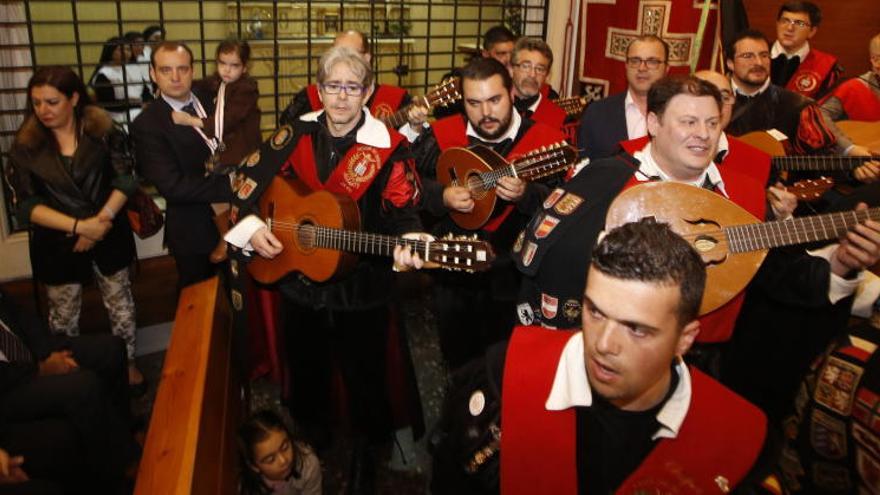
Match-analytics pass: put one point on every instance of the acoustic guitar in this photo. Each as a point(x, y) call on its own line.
point(731, 241)
point(479, 168)
point(448, 91)
point(573, 105)
point(320, 232)
point(863, 133)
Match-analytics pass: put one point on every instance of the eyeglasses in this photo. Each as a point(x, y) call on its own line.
point(752, 55)
point(350, 89)
point(527, 67)
point(636, 62)
point(785, 21)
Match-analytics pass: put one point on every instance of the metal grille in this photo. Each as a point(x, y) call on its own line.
point(414, 43)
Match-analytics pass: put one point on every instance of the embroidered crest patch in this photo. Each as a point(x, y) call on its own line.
point(553, 198)
point(836, 386)
point(253, 159)
point(525, 314)
point(361, 167)
point(548, 223)
point(806, 82)
point(281, 137)
point(571, 310)
point(549, 306)
point(247, 189)
point(382, 111)
point(828, 435)
point(518, 244)
point(528, 253)
point(568, 204)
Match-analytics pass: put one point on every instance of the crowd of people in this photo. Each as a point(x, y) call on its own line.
point(585, 345)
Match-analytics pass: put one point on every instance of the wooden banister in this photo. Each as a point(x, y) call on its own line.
point(190, 444)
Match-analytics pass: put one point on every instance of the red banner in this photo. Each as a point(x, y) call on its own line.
point(608, 26)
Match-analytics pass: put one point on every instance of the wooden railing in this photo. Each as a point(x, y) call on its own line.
point(190, 444)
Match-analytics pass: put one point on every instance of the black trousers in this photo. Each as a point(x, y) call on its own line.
point(351, 341)
point(51, 457)
point(193, 268)
point(474, 310)
point(92, 400)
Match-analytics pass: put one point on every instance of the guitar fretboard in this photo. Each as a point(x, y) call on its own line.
point(818, 163)
point(397, 119)
point(532, 166)
point(753, 237)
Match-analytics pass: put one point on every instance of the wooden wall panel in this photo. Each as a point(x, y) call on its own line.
point(846, 28)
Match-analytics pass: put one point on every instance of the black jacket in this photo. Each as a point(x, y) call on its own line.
point(102, 162)
point(172, 157)
point(603, 126)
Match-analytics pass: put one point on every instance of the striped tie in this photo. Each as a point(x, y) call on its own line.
point(12, 346)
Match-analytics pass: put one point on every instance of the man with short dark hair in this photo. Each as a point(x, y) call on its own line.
point(530, 66)
point(498, 42)
point(484, 300)
point(797, 66)
point(173, 157)
point(611, 408)
point(622, 116)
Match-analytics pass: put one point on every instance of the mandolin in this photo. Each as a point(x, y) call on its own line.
point(448, 91)
point(479, 168)
point(320, 234)
point(731, 241)
point(573, 105)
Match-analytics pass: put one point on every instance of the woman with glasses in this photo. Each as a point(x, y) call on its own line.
point(72, 173)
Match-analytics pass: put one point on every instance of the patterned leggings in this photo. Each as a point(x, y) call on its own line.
point(65, 303)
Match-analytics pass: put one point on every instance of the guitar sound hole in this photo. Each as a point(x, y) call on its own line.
point(305, 236)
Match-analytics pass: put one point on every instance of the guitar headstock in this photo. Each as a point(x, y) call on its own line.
point(445, 93)
point(574, 105)
point(461, 253)
point(810, 189)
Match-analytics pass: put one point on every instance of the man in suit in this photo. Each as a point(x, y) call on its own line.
point(622, 116)
point(79, 385)
point(173, 158)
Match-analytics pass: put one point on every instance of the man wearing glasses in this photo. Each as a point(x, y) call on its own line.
point(384, 100)
point(763, 106)
point(342, 149)
point(796, 65)
point(622, 116)
point(532, 59)
point(481, 303)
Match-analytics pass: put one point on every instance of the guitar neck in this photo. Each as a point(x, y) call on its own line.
point(530, 167)
point(818, 163)
point(363, 242)
point(398, 118)
point(757, 236)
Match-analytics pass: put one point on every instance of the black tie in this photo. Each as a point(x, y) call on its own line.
point(12, 346)
point(190, 109)
point(501, 147)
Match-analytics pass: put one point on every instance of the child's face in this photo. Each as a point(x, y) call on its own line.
point(274, 456)
point(229, 67)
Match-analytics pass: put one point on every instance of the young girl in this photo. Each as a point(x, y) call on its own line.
point(236, 119)
point(272, 462)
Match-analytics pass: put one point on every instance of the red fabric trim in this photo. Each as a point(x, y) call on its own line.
point(545, 91)
point(815, 68)
point(400, 189)
point(386, 101)
point(538, 451)
point(356, 170)
point(859, 102)
point(314, 99)
point(451, 132)
point(722, 434)
point(549, 113)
